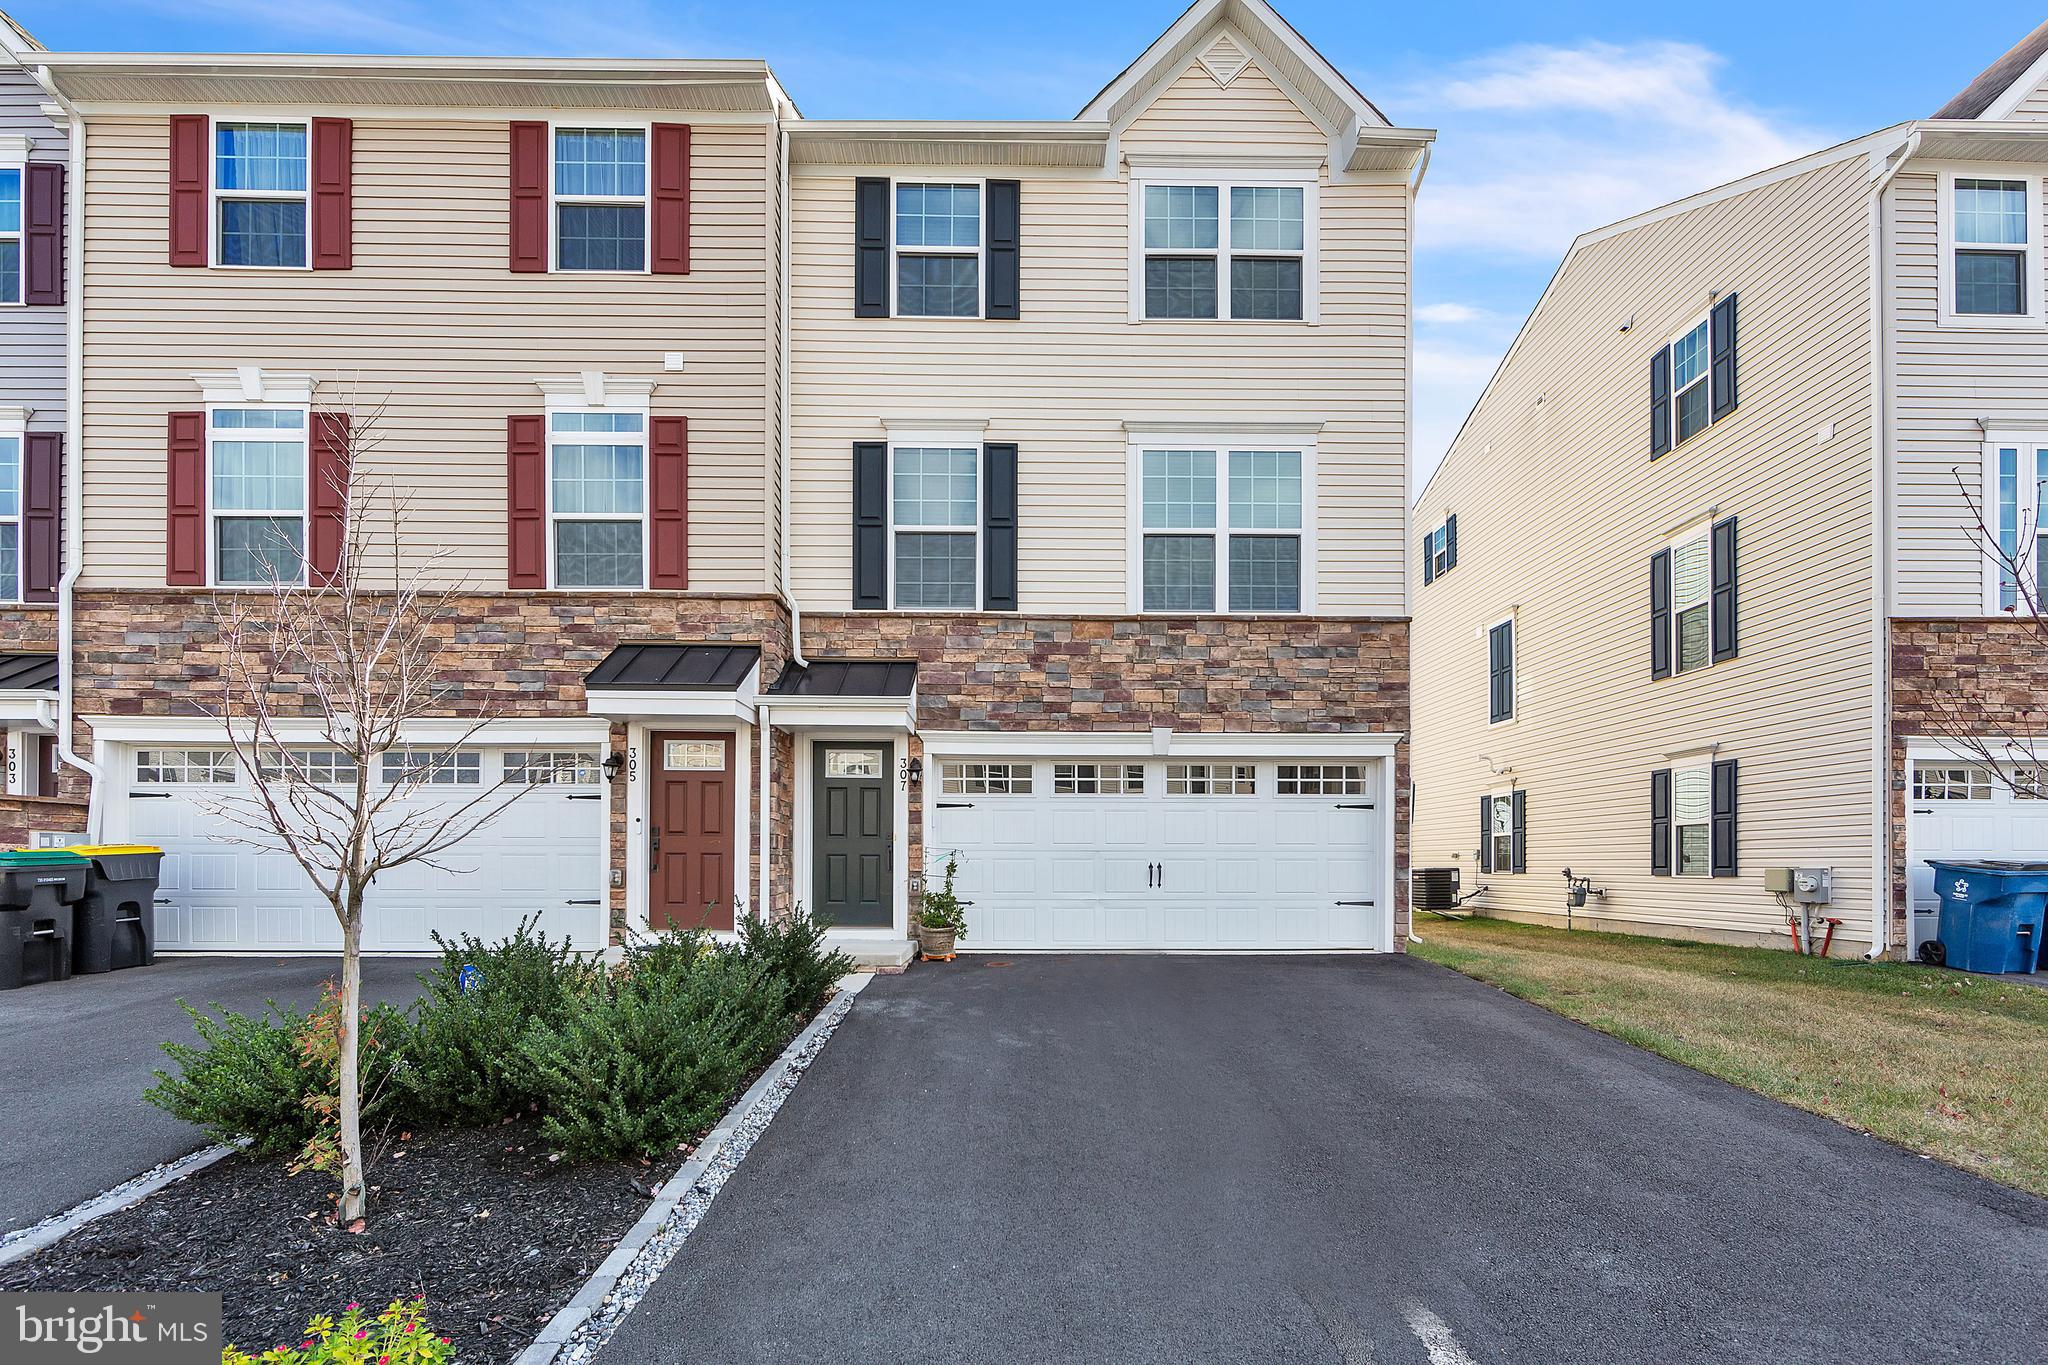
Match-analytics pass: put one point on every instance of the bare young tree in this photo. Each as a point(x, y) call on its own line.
point(322, 674)
point(2009, 738)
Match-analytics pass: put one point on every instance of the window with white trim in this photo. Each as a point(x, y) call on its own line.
point(434, 768)
point(1692, 601)
point(1500, 832)
point(1992, 258)
point(1692, 381)
point(1221, 525)
point(2030, 783)
point(985, 779)
point(1098, 779)
point(599, 188)
point(10, 515)
point(935, 526)
point(12, 178)
point(1692, 814)
point(2017, 468)
point(184, 767)
point(1951, 782)
point(261, 184)
point(1322, 779)
point(1222, 249)
point(323, 767)
point(256, 475)
point(597, 498)
point(558, 767)
point(938, 251)
point(1211, 779)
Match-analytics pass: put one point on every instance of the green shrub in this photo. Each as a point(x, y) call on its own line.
point(254, 1081)
point(648, 1059)
point(397, 1336)
point(462, 1059)
point(792, 949)
point(668, 955)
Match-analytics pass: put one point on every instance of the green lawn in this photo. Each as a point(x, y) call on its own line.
point(1946, 1063)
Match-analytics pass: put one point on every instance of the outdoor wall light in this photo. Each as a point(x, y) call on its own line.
point(614, 764)
point(914, 770)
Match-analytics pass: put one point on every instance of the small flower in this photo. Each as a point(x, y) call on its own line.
point(353, 1307)
point(361, 1335)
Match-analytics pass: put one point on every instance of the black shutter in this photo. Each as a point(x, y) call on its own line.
point(1486, 834)
point(1428, 566)
point(1519, 840)
point(999, 527)
point(1660, 614)
point(1451, 541)
point(1724, 589)
point(1724, 818)
point(1660, 402)
point(1500, 659)
point(1660, 823)
point(1721, 347)
point(871, 247)
point(870, 525)
point(1003, 215)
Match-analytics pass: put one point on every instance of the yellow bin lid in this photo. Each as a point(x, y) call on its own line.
point(109, 850)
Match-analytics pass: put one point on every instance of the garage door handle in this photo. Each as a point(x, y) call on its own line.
point(1354, 805)
point(593, 796)
point(1356, 902)
point(956, 805)
point(588, 902)
point(151, 796)
point(1924, 810)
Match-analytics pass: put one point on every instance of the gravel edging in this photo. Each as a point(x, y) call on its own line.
point(588, 1320)
point(29, 1240)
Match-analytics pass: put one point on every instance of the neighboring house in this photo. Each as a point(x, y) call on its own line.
point(1047, 512)
point(1697, 594)
point(39, 795)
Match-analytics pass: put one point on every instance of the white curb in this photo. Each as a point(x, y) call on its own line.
point(28, 1241)
point(591, 1297)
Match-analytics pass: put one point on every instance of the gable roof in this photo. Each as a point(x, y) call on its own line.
point(2026, 58)
point(1280, 51)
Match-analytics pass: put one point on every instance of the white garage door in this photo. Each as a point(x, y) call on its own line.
point(543, 856)
point(1085, 854)
point(1961, 811)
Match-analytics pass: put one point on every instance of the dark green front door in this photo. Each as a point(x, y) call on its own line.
point(852, 834)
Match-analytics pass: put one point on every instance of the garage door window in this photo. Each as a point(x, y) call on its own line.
point(184, 767)
point(444, 769)
point(1098, 779)
point(1322, 779)
point(1951, 782)
point(1211, 779)
point(985, 779)
point(324, 767)
point(539, 767)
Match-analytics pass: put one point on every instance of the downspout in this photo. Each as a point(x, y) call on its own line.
point(1881, 558)
point(74, 452)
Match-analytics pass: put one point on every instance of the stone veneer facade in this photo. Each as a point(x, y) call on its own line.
point(1948, 673)
point(1198, 674)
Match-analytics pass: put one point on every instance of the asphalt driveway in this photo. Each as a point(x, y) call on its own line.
point(75, 1057)
point(1315, 1159)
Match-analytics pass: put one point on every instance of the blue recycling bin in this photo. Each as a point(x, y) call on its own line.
point(1991, 914)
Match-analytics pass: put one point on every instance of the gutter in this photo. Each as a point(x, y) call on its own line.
point(1880, 558)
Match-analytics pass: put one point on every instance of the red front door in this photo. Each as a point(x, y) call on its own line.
point(690, 845)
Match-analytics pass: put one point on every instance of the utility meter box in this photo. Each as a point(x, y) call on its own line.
point(1805, 885)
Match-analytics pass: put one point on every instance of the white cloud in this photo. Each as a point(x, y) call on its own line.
point(1450, 314)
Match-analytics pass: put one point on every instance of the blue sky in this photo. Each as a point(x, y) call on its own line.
point(1553, 117)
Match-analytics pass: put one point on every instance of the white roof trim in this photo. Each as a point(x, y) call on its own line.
point(1159, 743)
point(2016, 94)
point(625, 704)
point(896, 715)
point(207, 729)
point(26, 704)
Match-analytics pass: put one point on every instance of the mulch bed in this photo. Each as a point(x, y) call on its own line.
point(480, 1221)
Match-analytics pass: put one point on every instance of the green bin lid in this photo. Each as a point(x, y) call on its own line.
point(40, 857)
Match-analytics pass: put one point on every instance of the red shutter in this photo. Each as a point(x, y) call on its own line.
point(190, 170)
point(529, 244)
point(526, 502)
point(669, 503)
point(327, 529)
point(43, 234)
point(333, 193)
point(42, 484)
point(185, 497)
point(671, 199)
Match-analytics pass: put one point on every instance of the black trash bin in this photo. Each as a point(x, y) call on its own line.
point(37, 890)
point(115, 924)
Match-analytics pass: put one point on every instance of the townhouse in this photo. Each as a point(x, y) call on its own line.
point(1700, 594)
point(830, 501)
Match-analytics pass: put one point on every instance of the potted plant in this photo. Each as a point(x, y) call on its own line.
point(943, 918)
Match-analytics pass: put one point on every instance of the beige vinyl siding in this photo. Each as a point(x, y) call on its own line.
point(1945, 377)
point(1251, 114)
point(771, 302)
point(2035, 105)
point(432, 325)
point(1559, 511)
point(32, 339)
point(1064, 379)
